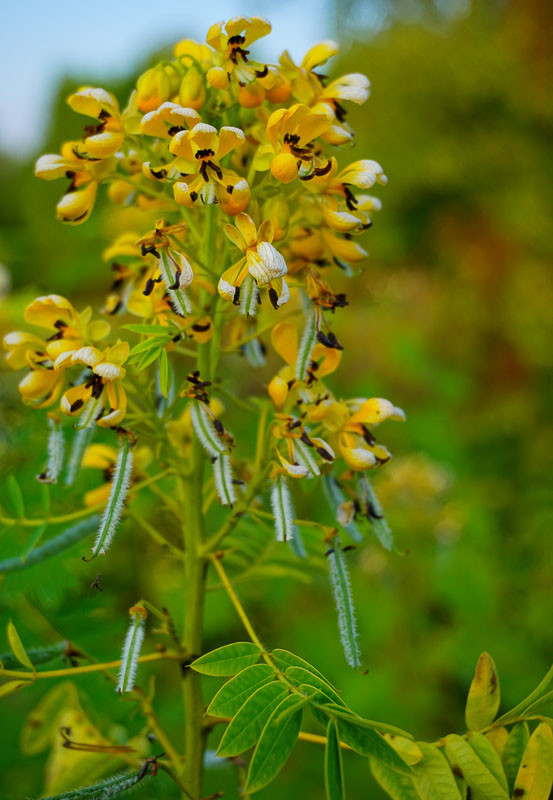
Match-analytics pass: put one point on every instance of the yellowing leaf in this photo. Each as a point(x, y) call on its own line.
point(17, 646)
point(484, 696)
point(498, 737)
point(434, 779)
point(466, 764)
point(67, 768)
point(41, 725)
point(13, 686)
point(535, 776)
point(408, 750)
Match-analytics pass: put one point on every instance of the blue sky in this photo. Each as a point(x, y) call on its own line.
point(42, 40)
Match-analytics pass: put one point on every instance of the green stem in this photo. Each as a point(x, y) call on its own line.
point(195, 577)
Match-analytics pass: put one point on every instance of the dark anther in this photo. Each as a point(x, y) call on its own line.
point(230, 188)
point(76, 405)
point(262, 73)
point(116, 308)
point(333, 341)
point(217, 170)
point(219, 427)
point(371, 511)
point(291, 383)
point(149, 288)
point(273, 297)
point(340, 112)
point(368, 437)
point(323, 339)
point(193, 196)
point(296, 424)
point(329, 552)
point(59, 324)
point(176, 284)
point(149, 250)
point(236, 39)
point(323, 170)
point(291, 138)
point(158, 173)
point(201, 328)
point(324, 454)
point(175, 129)
point(205, 153)
point(236, 298)
point(306, 440)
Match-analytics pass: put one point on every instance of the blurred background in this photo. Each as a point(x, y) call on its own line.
point(453, 322)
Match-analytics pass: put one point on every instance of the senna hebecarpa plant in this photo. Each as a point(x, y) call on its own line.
point(246, 167)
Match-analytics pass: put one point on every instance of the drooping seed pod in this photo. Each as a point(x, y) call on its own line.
point(283, 512)
point(307, 343)
point(205, 429)
point(341, 589)
point(118, 494)
point(248, 297)
point(175, 284)
point(131, 649)
point(222, 474)
point(56, 448)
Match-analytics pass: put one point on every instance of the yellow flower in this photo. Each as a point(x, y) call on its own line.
point(199, 152)
point(304, 453)
point(291, 133)
point(349, 421)
point(231, 41)
point(260, 260)
point(77, 203)
point(106, 138)
point(104, 384)
point(168, 119)
point(309, 87)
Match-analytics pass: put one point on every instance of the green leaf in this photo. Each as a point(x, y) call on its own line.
point(433, 777)
point(299, 675)
point(227, 660)
point(367, 742)
point(274, 746)
point(235, 692)
point(17, 646)
point(53, 546)
point(284, 659)
point(350, 716)
point(16, 496)
point(151, 356)
point(245, 727)
point(34, 540)
point(399, 787)
point(334, 773)
point(146, 345)
point(105, 789)
point(488, 755)
point(343, 598)
point(13, 686)
point(464, 762)
point(164, 374)
point(540, 703)
point(535, 775)
point(513, 751)
point(540, 690)
point(37, 655)
point(484, 695)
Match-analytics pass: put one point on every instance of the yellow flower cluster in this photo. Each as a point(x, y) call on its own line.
point(244, 161)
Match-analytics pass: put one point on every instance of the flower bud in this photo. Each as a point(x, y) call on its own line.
point(153, 88)
point(75, 207)
point(284, 167)
point(251, 95)
point(192, 92)
point(217, 77)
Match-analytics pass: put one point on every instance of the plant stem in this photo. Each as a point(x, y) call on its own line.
point(195, 577)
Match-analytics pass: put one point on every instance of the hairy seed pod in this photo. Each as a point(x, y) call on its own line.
point(118, 494)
